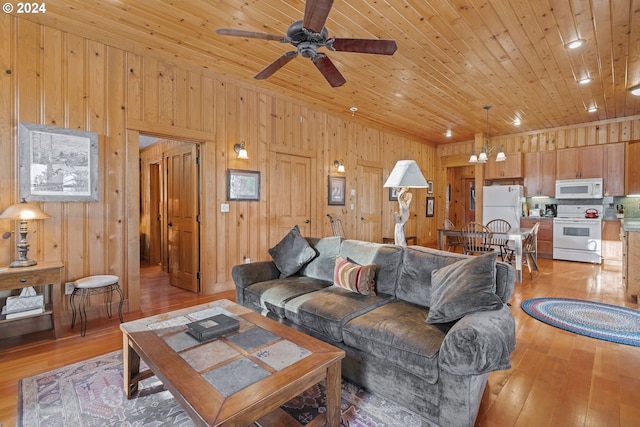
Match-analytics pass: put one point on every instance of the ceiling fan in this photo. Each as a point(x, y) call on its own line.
point(308, 35)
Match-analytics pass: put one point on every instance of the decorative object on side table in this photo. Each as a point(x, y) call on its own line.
point(23, 212)
point(405, 174)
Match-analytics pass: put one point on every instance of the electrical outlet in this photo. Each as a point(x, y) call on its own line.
point(68, 288)
point(224, 207)
point(247, 260)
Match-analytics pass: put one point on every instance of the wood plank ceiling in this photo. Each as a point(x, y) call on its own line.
point(454, 56)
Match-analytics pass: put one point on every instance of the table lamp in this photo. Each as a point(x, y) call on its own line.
point(23, 212)
point(405, 174)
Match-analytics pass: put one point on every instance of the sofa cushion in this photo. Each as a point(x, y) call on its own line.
point(326, 311)
point(355, 277)
point(464, 287)
point(321, 267)
point(414, 279)
point(397, 332)
point(272, 295)
point(387, 259)
point(291, 253)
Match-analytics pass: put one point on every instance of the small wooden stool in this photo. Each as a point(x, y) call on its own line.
point(94, 285)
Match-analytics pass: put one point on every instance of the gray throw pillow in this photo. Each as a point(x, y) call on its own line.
point(292, 253)
point(464, 287)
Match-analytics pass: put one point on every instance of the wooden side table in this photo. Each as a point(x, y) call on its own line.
point(41, 274)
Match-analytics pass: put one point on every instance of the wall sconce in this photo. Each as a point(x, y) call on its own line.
point(23, 212)
point(339, 165)
point(635, 90)
point(242, 152)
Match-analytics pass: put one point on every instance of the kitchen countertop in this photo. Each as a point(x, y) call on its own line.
point(631, 224)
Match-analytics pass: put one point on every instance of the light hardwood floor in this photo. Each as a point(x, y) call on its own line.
point(557, 378)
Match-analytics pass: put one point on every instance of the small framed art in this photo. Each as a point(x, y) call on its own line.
point(337, 190)
point(243, 185)
point(431, 201)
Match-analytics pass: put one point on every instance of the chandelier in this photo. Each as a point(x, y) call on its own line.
point(486, 149)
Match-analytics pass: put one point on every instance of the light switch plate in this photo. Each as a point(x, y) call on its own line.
point(224, 207)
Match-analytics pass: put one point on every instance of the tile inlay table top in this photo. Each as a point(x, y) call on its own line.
point(238, 378)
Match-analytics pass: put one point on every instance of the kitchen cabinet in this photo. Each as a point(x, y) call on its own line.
point(611, 243)
point(40, 276)
point(613, 173)
point(632, 168)
point(545, 235)
point(583, 162)
point(510, 168)
point(540, 174)
point(631, 260)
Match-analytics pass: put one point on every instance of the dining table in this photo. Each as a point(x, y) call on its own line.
point(516, 235)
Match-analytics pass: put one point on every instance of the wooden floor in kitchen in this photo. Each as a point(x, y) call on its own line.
point(557, 378)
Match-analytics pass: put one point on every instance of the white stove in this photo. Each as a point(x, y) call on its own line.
point(577, 233)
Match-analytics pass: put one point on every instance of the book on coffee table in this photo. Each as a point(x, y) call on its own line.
point(212, 327)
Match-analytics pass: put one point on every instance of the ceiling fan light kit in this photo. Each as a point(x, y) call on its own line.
point(307, 36)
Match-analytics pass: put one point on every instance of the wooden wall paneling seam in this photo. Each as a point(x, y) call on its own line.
point(8, 106)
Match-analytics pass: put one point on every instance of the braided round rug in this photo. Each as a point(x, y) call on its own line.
point(593, 319)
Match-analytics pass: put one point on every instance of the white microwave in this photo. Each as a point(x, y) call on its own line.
point(590, 188)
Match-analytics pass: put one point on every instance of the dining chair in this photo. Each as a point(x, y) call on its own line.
point(336, 226)
point(476, 238)
point(500, 226)
point(453, 242)
point(529, 251)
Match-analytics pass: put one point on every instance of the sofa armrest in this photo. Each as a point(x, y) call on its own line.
point(247, 274)
point(479, 343)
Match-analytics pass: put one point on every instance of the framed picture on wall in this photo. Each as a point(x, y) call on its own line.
point(57, 165)
point(243, 185)
point(430, 206)
point(393, 194)
point(337, 190)
point(430, 187)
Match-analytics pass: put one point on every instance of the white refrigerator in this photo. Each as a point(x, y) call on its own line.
point(502, 202)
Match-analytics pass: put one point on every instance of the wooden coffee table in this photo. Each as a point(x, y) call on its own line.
point(237, 379)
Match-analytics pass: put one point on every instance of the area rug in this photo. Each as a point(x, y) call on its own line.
point(90, 393)
point(593, 319)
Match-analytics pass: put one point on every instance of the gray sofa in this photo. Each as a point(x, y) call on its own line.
point(439, 370)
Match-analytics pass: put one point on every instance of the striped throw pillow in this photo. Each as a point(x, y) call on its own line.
point(355, 277)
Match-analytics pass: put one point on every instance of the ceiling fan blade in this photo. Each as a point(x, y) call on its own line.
point(249, 34)
point(376, 46)
point(315, 14)
point(276, 65)
point(329, 71)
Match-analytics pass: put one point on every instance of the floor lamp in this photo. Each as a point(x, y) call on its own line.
point(405, 174)
point(23, 212)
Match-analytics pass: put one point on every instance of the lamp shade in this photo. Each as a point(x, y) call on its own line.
point(23, 211)
point(406, 174)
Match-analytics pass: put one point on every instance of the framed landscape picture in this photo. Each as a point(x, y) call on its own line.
point(57, 165)
point(337, 190)
point(243, 185)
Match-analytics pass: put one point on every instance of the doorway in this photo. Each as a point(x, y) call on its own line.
point(169, 210)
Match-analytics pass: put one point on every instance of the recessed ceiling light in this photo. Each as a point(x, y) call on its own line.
point(517, 121)
point(585, 80)
point(592, 109)
point(574, 44)
point(635, 90)
point(448, 133)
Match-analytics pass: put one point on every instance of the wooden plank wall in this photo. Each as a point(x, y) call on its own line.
point(56, 78)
